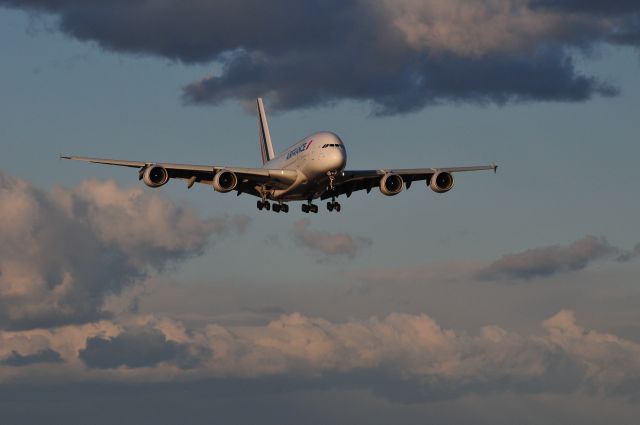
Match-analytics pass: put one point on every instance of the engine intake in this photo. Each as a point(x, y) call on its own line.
point(155, 176)
point(391, 184)
point(441, 182)
point(225, 181)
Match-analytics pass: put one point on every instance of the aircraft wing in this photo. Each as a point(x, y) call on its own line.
point(350, 181)
point(248, 177)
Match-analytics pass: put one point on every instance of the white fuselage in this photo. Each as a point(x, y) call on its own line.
point(313, 158)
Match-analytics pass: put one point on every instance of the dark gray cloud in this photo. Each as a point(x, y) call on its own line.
point(399, 55)
point(551, 260)
point(197, 31)
point(398, 87)
point(139, 347)
point(64, 252)
point(43, 356)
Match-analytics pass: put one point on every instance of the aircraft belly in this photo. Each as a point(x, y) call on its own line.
point(306, 191)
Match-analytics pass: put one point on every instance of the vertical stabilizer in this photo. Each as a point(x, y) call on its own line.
point(264, 137)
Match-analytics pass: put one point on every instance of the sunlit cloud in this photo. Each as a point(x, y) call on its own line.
point(433, 361)
point(64, 252)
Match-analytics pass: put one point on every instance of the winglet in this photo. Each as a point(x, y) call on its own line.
point(495, 168)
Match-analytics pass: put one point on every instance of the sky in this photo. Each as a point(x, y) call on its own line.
point(512, 298)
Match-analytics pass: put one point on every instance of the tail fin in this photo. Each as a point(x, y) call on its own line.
point(264, 137)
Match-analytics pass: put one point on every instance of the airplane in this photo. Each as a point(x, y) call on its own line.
point(313, 168)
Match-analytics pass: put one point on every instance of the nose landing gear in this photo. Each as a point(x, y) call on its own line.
point(332, 179)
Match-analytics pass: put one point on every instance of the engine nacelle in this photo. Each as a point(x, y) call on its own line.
point(441, 182)
point(155, 176)
point(391, 184)
point(225, 181)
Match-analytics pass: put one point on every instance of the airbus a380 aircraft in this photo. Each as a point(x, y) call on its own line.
point(312, 168)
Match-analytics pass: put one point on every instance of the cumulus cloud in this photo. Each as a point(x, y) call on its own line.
point(399, 55)
point(64, 252)
point(328, 244)
point(549, 260)
point(410, 350)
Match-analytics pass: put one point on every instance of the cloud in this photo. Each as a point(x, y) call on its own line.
point(398, 55)
point(44, 356)
point(401, 357)
point(629, 255)
point(136, 348)
point(549, 260)
point(533, 263)
point(328, 244)
point(611, 7)
point(64, 252)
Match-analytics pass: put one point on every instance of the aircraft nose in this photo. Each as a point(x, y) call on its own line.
point(337, 159)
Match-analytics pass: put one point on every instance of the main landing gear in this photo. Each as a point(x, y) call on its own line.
point(307, 208)
point(333, 206)
point(281, 207)
point(276, 207)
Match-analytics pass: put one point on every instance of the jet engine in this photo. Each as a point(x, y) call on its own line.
point(441, 182)
point(391, 184)
point(225, 181)
point(155, 176)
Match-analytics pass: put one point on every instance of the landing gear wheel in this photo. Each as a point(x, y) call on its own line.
point(260, 205)
point(337, 206)
point(330, 206)
point(267, 205)
point(276, 208)
point(284, 208)
point(305, 208)
point(313, 209)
